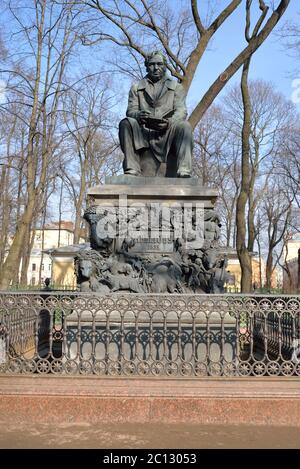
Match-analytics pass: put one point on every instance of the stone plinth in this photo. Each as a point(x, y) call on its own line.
point(52, 399)
point(147, 189)
point(165, 229)
point(152, 181)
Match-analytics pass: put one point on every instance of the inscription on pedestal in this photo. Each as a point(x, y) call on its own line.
point(144, 245)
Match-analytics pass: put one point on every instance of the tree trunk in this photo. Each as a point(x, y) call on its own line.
point(228, 230)
point(25, 257)
point(260, 263)
point(11, 262)
point(6, 211)
point(44, 211)
point(240, 59)
point(289, 287)
point(60, 212)
point(251, 214)
point(16, 277)
point(77, 226)
point(79, 202)
point(298, 276)
point(269, 271)
point(242, 251)
point(9, 266)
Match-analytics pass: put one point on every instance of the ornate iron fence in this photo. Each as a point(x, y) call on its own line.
point(149, 335)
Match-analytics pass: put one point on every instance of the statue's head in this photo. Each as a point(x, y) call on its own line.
point(87, 264)
point(156, 65)
point(211, 257)
point(85, 268)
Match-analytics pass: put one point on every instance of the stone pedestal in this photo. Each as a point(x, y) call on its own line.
point(152, 235)
point(150, 199)
point(148, 189)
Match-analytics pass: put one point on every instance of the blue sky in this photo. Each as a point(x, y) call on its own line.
point(271, 62)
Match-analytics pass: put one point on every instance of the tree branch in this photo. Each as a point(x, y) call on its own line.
point(241, 58)
point(197, 18)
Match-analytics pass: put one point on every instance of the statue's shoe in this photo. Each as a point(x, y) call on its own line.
point(183, 175)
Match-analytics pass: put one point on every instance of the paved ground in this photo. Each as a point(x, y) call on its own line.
point(148, 436)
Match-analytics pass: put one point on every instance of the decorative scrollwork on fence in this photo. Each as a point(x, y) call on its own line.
point(176, 335)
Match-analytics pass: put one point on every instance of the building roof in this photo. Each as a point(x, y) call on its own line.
point(63, 225)
point(67, 251)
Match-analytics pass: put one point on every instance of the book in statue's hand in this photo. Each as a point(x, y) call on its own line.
point(153, 122)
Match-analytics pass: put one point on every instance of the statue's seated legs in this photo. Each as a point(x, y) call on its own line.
point(179, 160)
point(131, 163)
point(143, 162)
point(151, 166)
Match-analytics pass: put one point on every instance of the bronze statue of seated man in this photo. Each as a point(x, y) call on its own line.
point(156, 124)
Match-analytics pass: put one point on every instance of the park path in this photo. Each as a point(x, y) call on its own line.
point(146, 436)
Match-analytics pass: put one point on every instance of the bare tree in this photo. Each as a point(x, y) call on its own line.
point(288, 167)
point(288, 162)
point(245, 193)
point(11, 176)
point(218, 151)
point(49, 39)
point(289, 34)
point(268, 117)
point(89, 120)
point(229, 176)
point(277, 206)
point(137, 25)
point(217, 163)
point(209, 139)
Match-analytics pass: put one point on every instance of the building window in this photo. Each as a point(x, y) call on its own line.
point(33, 267)
point(33, 281)
point(49, 267)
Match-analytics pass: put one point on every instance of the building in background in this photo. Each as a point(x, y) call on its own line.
point(63, 273)
point(292, 247)
point(52, 236)
point(258, 274)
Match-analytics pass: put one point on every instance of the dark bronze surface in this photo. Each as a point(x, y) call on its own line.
point(149, 335)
